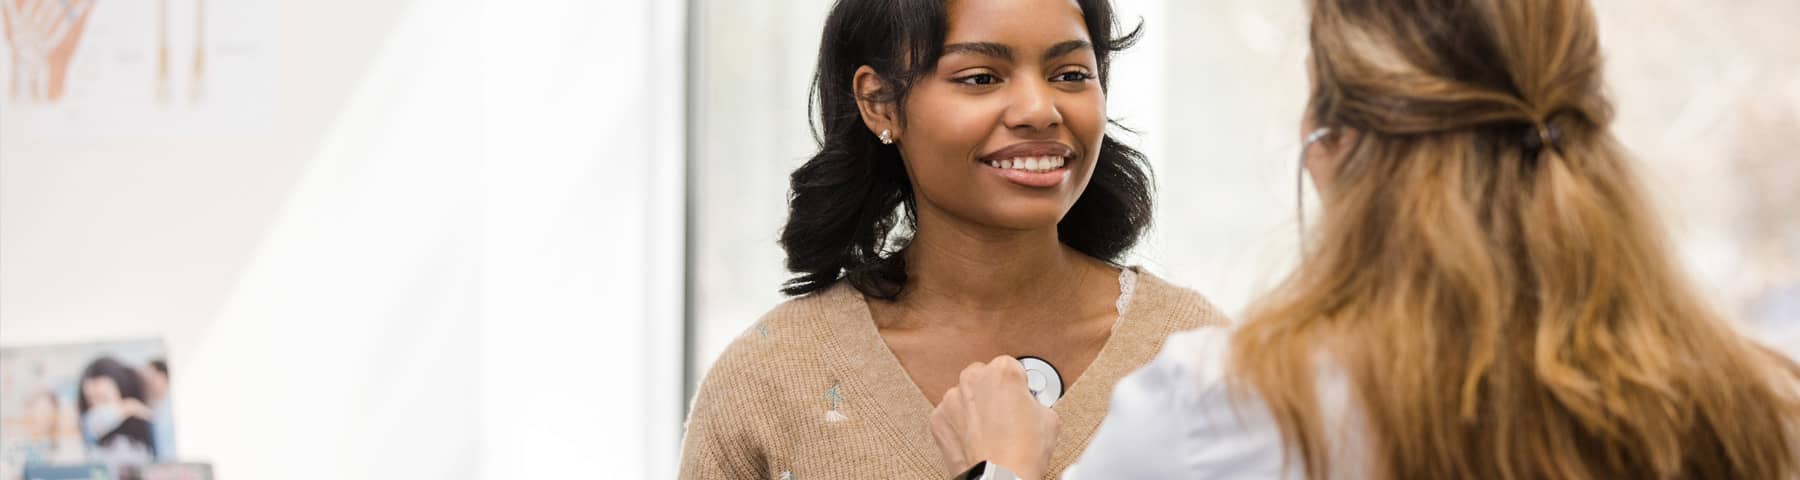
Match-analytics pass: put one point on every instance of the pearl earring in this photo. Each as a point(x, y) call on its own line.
point(887, 137)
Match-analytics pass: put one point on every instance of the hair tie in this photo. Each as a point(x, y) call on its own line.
point(1545, 135)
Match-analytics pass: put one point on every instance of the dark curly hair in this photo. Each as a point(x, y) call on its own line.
point(847, 200)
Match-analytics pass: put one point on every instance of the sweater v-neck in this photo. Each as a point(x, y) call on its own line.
point(873, 367)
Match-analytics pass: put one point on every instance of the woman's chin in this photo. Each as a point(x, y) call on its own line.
point(1027, 217)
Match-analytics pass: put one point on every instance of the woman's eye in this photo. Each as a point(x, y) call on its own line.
point(1072, 76)
point(979, 79)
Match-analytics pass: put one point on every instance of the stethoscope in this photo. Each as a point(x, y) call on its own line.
point(1042, 379)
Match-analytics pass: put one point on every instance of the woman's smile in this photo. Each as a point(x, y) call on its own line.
point(1032, 164)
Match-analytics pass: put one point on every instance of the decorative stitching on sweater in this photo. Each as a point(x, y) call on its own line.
point(833, 399)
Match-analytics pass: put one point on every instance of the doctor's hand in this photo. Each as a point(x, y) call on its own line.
point(991, 416)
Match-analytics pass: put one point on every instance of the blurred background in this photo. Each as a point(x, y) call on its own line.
point(503, 239)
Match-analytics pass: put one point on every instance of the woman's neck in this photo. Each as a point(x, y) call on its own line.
point(983, 271)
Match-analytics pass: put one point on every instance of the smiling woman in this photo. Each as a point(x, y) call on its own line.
point(965, 203)
point(954, 88)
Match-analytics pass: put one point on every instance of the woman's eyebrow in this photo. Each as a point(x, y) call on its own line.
point(1001, 51)
point(998, 51)
point(1066, 48)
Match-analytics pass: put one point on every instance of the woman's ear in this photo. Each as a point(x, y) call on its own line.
point(877, 115)
point(1324, 156)
point(1341, 140)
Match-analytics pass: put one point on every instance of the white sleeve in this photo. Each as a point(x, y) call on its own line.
point(1175, 418)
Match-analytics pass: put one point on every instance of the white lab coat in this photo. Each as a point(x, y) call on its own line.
point(1178, 418)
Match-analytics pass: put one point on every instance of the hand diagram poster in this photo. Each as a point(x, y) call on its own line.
point(88, 70)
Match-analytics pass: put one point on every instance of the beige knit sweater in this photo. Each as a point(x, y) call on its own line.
point(812, 392)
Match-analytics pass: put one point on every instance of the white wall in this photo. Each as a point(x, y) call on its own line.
point(454, 255)
point(584, 243)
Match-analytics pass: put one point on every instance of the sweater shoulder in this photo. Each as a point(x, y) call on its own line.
point(786, 336)
point(1176, 307)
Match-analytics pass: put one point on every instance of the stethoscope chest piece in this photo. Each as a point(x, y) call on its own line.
point(1042, 379)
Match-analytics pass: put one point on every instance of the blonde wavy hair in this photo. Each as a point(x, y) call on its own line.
point(1489, 276)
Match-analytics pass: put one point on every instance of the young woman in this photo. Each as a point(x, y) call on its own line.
point(111, 402)
point(966, 202)
point(1489, 296)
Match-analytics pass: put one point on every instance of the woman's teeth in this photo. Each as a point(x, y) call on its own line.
point(1029, 164)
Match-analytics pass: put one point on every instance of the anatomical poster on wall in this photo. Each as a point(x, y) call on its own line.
point(86, 70)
